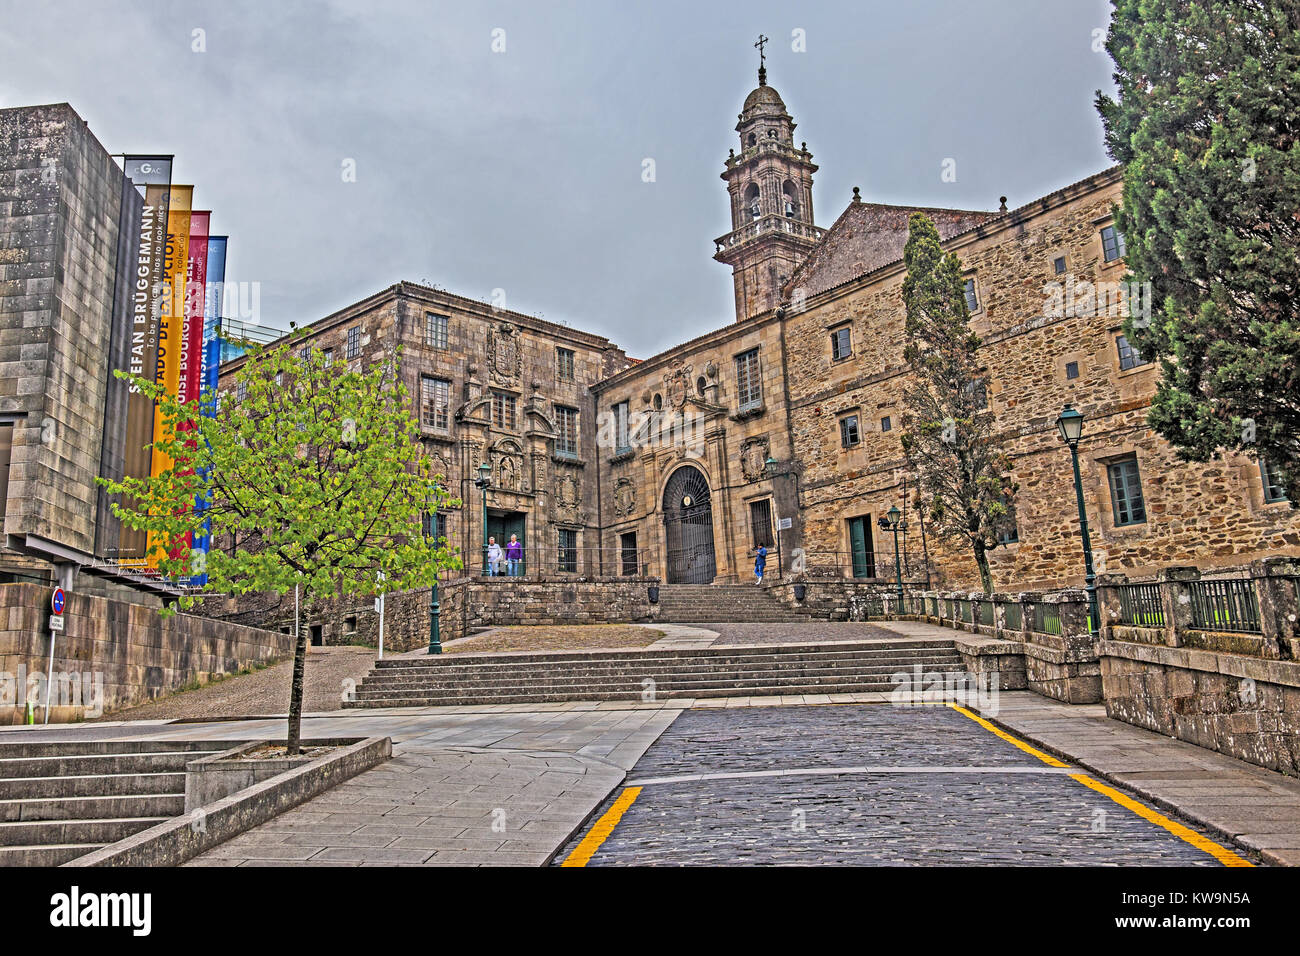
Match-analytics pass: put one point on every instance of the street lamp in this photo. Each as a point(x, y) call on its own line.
point(1070, 425)
point(893, 522)
point(483, 482)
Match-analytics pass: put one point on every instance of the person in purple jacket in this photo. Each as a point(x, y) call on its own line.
point(514, 556)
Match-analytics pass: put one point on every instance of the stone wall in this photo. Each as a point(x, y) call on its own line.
point(465, 605)
point(1241, 706)
point(128, 649)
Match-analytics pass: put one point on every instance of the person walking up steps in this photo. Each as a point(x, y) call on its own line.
point(760, 563)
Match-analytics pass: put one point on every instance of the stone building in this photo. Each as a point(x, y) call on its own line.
point(783, 427)
point(63, 205)
point(495, 387)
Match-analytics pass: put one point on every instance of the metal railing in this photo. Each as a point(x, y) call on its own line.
point(1226, 604)
point(856, 564)
point(1013, 617)
point(1046, 618)
point(1140, 605)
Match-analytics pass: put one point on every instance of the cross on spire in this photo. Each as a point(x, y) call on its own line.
point(762, 60)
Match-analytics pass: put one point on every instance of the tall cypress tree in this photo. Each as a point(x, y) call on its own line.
point(949, 430)
point(1207, 125)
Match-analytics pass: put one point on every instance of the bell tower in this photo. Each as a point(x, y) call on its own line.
point(770, 187)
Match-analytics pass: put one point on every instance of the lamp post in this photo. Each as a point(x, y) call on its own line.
point(435, 613)
point(483, 482)
point(1070, 425)
point(893, 522)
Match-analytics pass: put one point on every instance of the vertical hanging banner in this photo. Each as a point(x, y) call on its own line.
point(215, 278)
point(196, 271)
point(171, 331)
point(191, 365)
point(152, 176)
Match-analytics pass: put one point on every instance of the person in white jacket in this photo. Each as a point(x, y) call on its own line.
point(494, 557)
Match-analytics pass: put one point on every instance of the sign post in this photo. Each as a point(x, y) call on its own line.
point(57, 601)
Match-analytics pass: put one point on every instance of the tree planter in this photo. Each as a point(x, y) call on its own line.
point(212, 778)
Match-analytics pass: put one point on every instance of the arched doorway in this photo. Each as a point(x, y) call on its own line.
point(688, 520)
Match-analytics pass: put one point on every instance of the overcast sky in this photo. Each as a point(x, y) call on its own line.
point(522, 170)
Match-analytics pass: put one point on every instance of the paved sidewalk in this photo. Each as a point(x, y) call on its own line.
point(481, 789)
point(1258, 808)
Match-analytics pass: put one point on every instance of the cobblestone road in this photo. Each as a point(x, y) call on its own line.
point(930, 787)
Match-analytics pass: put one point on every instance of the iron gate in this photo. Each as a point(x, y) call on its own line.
point(688, 519)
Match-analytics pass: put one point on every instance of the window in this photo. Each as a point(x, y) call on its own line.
point(1071, 369)
point(354, 341)
point(760, 522)
point(1272, 490)
point(1128, 356)
point(886, 424)
point(304, 353)
point(435, 330)
point(751, 200)
point(1126, 491)
point(1112, 244)
point(435, 401)
point(972, 301)
point(749, 388)
point(566, 424)
point(568, 556)
point(434, 526)
point(329, 356)
point(503, 410)
point(850, 434)
point(841, 343)
point(564, 364)
point(241, 390)
point(279, 379)
point(1059, 265)
point(620, 428)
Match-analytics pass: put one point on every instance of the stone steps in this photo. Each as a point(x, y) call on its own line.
point(90, 785)
point(62, 799)
point(740, 671)
point(472, 677)
point(723, 603)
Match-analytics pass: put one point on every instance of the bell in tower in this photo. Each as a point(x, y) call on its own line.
point(770, 185)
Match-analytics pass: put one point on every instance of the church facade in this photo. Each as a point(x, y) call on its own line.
point(782, 428)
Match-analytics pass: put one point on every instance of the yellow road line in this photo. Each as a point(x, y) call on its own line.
point(603, 828)
point(991, 728)
point(1222, 854)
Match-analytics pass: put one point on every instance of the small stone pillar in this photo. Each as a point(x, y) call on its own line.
point(1108, 606)
point(1176, 598)
point(1277, 587)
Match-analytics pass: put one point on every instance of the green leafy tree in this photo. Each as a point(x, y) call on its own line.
point(1207, 125)
point(315, 478)
point(949, 435)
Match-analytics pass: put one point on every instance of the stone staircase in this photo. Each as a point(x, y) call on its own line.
point(717, 671)
point(59, 801)
point(723, 604)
